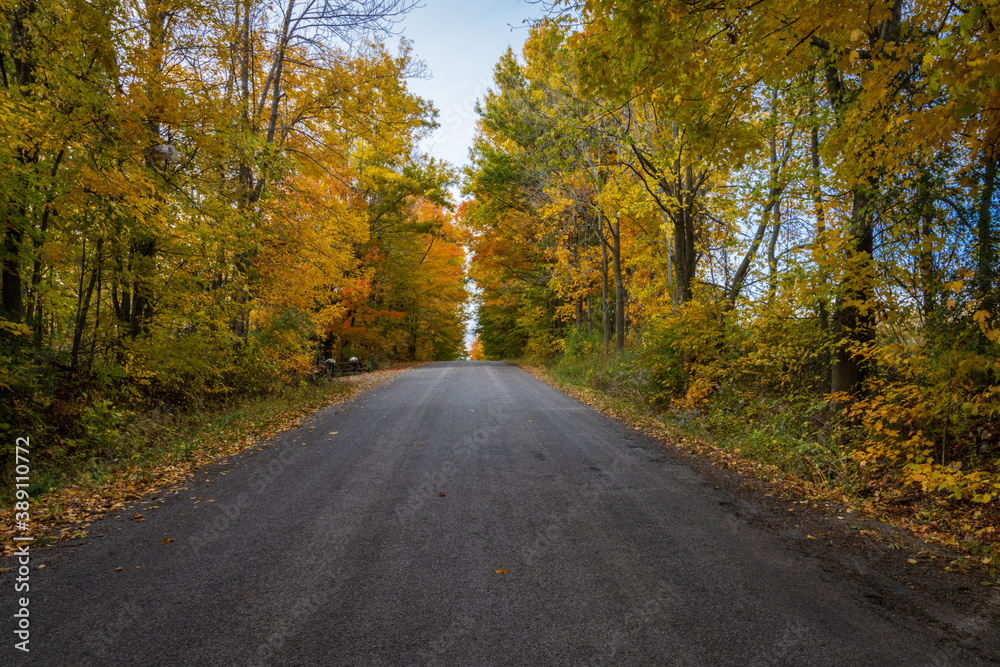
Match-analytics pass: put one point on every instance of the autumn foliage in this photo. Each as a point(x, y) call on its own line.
point(205, 201)
point(780, 216)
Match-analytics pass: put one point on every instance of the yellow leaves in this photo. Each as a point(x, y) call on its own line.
point(981, 318)
point(558, 203)
point(952, 481)
point(14, 328)
point(501, 571)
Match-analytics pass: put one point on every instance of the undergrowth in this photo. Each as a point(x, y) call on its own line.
point(797, 431)
point(115, 439)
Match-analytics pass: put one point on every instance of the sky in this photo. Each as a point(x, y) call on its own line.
point(460, 42)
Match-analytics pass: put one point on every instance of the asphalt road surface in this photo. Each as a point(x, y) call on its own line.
point(468, 514)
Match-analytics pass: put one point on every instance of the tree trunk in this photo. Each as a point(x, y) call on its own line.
point(820, 213)
point(619, 288)
point(853, 323)
point(605, 320)
point(140, 311)
point(83, 304)
point(279, 64)
point(34, 308)
point(411, 343)
point(590, 318)
point(15, 216)
point(671, 279)
point(925, 240)
point(986, 269)
point(97, 306)
point(772, 259)
point(11, 287)
point(245, 174)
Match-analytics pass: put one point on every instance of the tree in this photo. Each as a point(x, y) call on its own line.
point(197, 196)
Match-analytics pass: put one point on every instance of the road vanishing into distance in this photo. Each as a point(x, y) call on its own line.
point(467, 514)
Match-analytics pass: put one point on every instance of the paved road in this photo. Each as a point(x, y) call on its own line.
point(467, 514)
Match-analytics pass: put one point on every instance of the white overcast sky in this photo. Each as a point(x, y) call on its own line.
point(461, 42)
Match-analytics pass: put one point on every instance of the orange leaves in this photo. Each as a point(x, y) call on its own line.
point(476, 353)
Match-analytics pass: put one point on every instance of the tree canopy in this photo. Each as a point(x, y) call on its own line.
point(204, 199)
point(765, 202)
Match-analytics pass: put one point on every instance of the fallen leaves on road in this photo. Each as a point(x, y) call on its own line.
point(167, 540)
point(501, 571)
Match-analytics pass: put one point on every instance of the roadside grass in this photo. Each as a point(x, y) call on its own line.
point(794, 446)
point(156, 450)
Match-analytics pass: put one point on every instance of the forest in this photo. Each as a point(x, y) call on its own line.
point(775, 223)
point(204, 201)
